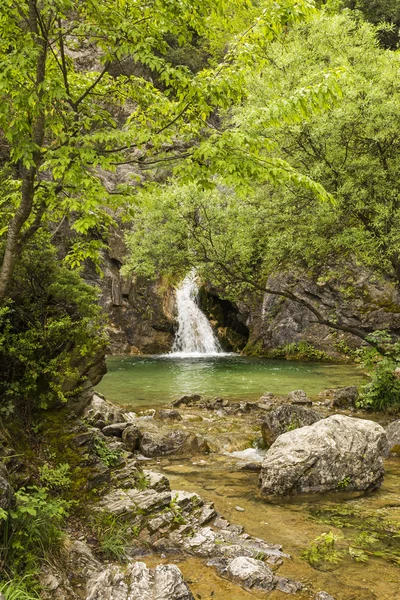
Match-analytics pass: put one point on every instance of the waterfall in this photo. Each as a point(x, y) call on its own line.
point(195, 335)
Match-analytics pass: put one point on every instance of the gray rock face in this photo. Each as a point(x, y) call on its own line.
point(345, 397)
point(393, 435)
point(100, 412)
point(137, 582)
point(6, 492)
point(128, 501)
point(131, 437)
point(286, 418)
point(299, 397)
point(323, 596)
point(174, 442)
point(168, 415)
point(335, 454)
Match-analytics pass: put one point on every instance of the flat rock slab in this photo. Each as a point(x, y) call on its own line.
point(137, 582)
point(130, 500)
point(335, 454)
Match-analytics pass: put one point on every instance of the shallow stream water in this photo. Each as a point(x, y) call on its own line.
point(148, 382)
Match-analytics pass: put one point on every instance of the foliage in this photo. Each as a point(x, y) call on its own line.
point(368, 533)
point(32, 532)
point(322, 552)
point(382, 392)
point(115, 536)
point(142, 481)
point(50, 326)
point(55, 478)
point(86, 88)
point(299, 351)
point(176, 510)
point(383, 13)
point(343, 483)
point(16, 590)
point(256, 223)
point(108, 457)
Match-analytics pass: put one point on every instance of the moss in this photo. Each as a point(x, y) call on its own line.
point(299, 351)
point(255, 349)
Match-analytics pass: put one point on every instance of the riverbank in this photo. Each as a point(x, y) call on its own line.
point(187, 501)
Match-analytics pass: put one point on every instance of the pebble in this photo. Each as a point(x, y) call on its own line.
point(239, 508)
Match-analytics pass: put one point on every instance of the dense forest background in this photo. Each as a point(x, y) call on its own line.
point(255, 142)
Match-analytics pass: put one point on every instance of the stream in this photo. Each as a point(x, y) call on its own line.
point(153, 381)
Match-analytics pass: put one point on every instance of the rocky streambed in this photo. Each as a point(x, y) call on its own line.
point(181, 490)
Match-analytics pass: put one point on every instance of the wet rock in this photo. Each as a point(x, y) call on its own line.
point(286, 418)
point(101, 411)
point(153, 443)
point(137, 582)
point(252, 573)
point(131, 437)
point(299, 397)
point(323, 596)
point(168, 415)
point(187, 400)
point(250, 459)
point(335, 454)
point(345, 397)
point(115, 429)
point(393, 435)
point(6, 493)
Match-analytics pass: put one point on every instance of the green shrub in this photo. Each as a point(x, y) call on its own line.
point(108, 457)
point(31, 532)
point(56, 478)
point(50, 325)
point(382, 392)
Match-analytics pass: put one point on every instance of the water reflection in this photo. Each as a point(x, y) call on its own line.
point(156, 380)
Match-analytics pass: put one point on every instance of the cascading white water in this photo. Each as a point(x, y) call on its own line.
point(195, 335)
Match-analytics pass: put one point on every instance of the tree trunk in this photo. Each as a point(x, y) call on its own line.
point(13, 246)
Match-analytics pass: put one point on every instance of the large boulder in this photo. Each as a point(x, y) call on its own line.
point(345, 397)
point(286, 418)
point(137, 582)
point(131, 437)
point(393, 435)
point(335, 454)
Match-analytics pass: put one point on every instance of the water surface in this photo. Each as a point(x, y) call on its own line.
point(155, 380)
